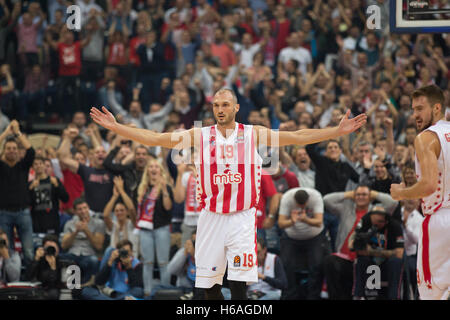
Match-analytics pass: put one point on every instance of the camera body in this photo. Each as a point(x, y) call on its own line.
point(362, 238)
point(123, 253)
point(50, 251)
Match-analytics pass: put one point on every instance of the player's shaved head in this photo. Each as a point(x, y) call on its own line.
point(229, 92)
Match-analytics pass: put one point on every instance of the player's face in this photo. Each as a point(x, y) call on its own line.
point(224, 108)
point(422, 113)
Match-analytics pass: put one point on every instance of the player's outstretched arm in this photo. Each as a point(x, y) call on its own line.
point(171, 140)
point(309, 136)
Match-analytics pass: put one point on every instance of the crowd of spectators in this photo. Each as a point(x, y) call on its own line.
point(126, 214)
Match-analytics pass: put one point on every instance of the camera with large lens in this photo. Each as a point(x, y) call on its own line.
point(2, 243)
point(362, 238)
point(50, 251)
point(123, 253)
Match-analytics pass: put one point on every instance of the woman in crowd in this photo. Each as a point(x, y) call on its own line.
point(121, 226)
point(155, 200)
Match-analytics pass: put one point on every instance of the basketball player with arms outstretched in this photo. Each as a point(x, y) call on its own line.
point(228, 185)
point(432, 146)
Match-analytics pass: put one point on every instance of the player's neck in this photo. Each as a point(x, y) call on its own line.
point(227, 129)
point(439, 119)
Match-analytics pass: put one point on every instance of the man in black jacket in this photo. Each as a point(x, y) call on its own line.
point(332, 175)
point(119, 278)
point(153, 65)
point(15, 199)
point(132, 172)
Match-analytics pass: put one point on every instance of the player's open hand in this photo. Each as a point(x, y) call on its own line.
point(347, 125)
point(104, 118)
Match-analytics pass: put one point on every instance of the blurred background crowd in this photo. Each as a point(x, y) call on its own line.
point(126, 214)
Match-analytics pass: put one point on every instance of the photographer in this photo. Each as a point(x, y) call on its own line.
point(120, 274)
point(350, 207)
point(378, 239)
point(46, 267)
point(10, 262)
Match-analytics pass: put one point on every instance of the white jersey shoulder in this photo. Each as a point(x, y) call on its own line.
point(440, 198)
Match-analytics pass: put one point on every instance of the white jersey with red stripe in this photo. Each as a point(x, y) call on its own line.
point(440, 198)
point(191, 205)
point(228, 170)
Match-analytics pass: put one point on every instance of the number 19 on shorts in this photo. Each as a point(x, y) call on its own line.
point(247, 260)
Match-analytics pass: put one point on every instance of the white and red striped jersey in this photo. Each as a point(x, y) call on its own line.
point(228, 170)
point(191, 205)
point(440, 198)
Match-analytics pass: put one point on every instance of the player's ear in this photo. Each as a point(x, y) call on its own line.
point(236, 107)
point(438, 107)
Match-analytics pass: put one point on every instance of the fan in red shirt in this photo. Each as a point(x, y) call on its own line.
point(69, 56)
point(268, 194)
point(117, 50)
point(220, 49)
point(171, 35)
point(134, 43)
point(281, 27)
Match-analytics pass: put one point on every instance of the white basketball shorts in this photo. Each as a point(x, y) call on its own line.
point(433, 256)
point(225, 238)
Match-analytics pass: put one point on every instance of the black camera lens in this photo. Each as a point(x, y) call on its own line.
point(50, 251)
point(123, 253)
